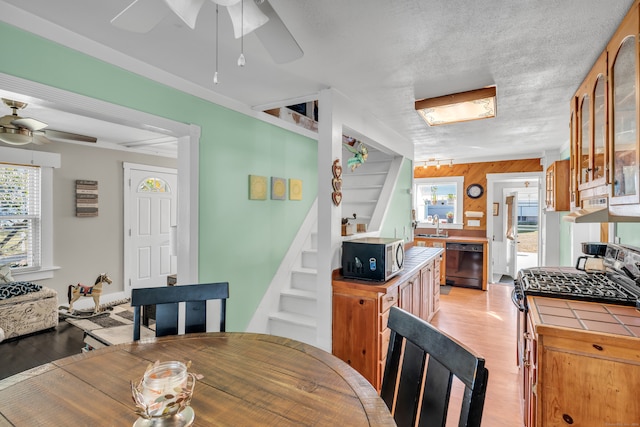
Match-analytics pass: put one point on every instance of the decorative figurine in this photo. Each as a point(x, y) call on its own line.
point(80, 290)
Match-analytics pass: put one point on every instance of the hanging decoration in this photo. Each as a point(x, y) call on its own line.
point(336, 182)
point(359, 150)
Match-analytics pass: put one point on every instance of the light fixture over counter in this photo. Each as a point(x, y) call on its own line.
point(459, 107)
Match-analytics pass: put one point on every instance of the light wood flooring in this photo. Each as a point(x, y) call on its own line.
point(485, 321)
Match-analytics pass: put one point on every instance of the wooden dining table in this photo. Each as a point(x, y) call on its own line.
point(247, 380)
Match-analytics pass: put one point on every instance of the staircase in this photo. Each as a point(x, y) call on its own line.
point(296, 316)
point(291, 301)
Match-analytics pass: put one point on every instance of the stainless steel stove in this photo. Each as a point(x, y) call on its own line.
point(618, 283)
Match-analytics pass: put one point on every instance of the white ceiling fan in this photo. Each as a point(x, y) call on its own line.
point(246, 15)
point(16, 130)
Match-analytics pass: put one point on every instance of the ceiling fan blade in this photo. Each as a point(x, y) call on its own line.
point(253, 17)
point(186, 10)
point(141, 16)
point(29, 123)
point(56, 134)
point(276, 38)
point(225, 2)
point(39, 139)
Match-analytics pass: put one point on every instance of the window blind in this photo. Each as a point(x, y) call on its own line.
point(20, 216)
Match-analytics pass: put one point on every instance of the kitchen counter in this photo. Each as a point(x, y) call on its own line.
point(580, 363)
point(414, 258)
point(585, 316)
point(465, 239)
point(361, 309)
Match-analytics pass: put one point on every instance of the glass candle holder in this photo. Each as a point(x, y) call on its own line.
point(165, 389)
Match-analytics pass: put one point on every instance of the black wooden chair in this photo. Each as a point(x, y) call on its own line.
point(166, 299)
point(402, 383)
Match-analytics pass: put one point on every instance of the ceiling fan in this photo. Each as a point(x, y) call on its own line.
point(246, 15)
point(16, 130)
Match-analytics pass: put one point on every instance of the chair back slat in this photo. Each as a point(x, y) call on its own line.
point(166, 299)
point(414, 346)
point(166, 319)
point(195, 317)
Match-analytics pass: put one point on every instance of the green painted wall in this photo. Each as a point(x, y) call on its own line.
point(241, 241)
point(398, 219)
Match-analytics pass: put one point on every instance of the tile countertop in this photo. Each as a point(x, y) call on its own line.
point(587, 316)
point(466, 239)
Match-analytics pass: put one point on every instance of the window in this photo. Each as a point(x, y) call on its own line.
point(41, 245)
point(20, 217)
point(439, 199)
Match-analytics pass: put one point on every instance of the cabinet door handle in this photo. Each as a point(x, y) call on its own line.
point(527, 335)
point(391, 299)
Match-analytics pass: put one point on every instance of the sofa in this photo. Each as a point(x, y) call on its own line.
point(26, 308)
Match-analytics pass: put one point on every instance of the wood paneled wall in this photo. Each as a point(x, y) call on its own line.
point(476, 173)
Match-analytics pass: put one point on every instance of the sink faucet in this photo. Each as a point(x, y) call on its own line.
point(436, 221)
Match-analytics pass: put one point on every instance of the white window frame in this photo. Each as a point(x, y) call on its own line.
point(47, 162)
point(459, 181)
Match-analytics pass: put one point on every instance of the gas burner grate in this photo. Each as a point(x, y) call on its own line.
point(596, 287)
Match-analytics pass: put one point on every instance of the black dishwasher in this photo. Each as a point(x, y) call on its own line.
point(464, 264)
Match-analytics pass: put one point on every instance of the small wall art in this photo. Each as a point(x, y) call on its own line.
point(278, 188)
point(257, 187)
point(336, 182)
point(86, 198)
point(496, 209)
point(295, 189)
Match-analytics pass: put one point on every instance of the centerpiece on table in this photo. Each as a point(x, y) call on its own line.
point(163, 395)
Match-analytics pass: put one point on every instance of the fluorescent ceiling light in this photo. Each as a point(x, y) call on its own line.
point(459, 107)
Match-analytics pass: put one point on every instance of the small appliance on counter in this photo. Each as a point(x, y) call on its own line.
point(372, 258)
point(593, 260)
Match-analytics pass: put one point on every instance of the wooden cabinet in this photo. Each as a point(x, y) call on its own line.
point(361, 311)
point(623, 115)
point(592, 136)
point(572, 375)
point(558, 186)
point(435, 243)
point(605, 120)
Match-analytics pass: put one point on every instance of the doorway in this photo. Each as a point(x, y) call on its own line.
point(188, 137)
point(514, 230)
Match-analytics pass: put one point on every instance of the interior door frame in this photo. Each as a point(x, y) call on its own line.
point(188, 136)
point(492, 179)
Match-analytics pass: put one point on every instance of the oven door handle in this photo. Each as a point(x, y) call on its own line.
point(517, 301)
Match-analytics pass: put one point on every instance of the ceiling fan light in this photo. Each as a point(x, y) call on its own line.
point(16, 136)
point(186, 10)
point(253, 17)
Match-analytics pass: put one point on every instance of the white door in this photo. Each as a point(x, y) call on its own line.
point(150, 212)
point(511, 227)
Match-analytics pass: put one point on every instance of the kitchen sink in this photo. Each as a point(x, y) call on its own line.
point(439, 236)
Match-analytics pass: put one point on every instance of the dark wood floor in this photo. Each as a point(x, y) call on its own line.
point(27, 352)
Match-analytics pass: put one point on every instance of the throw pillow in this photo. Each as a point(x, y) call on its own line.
point(5, 274)
point(15, 289)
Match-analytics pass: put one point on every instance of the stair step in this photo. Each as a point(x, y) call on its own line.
point(294, 326)
point(299, 302)
point(310, 259)
point(304, 279)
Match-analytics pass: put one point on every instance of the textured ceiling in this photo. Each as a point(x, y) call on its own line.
point(383, 55)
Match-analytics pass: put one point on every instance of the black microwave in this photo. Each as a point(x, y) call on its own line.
point(372, 258)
